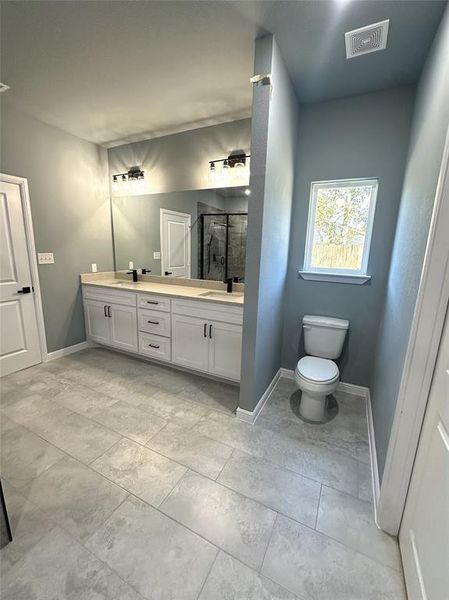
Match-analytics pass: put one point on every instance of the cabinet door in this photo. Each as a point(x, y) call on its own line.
point(189, 342)
point(97, 322)
point(123, 325)
point(225, 349)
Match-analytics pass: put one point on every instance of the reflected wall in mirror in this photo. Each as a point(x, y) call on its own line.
point(196, 233)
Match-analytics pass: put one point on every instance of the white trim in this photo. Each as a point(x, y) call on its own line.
point(373, 182)
point(287, 373)
point(22, 182)
point(250, 416)
point(334, 277)
point(373, 455)
point(166, 211)
point(422, 350)
point(68, 350)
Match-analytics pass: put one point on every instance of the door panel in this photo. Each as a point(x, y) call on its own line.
point(225, 349)
point(97, 322)
point(19, 341)
point(175, 243)
point(123, 327)
point(189, 344)
point(424, 534)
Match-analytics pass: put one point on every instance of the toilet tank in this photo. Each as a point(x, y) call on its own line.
point(324, 336)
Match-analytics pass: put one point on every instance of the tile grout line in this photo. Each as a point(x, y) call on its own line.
point(318, 508)
point(209, 572)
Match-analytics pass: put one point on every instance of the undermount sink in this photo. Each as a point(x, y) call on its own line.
point(221, 295)
point(125, 283)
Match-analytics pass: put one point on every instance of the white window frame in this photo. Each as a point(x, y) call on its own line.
point(359, 276)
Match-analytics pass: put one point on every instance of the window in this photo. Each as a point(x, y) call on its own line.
point(339, 228)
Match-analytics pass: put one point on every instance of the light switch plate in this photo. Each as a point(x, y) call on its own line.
point(156, 255)
point(45, 258)
point(94, 267)
point(130, 265)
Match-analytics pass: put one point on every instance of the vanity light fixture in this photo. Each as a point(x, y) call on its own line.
point(132, 175)
point(231, 169)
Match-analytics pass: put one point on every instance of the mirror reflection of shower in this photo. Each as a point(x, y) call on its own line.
point(223, 245)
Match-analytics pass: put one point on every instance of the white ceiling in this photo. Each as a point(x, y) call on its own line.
point(118, 71)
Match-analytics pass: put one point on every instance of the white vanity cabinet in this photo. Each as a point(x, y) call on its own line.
point(207, 337)
point(195, 334)
point(111, 318)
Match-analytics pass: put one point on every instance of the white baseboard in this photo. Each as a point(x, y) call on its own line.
point(287, 373)
point(373, 456)
point(251, 416)
point(69, 350)
point(355, 390)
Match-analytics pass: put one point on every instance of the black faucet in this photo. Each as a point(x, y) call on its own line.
point(134, 274)
point(145, 271)
point(229, 281)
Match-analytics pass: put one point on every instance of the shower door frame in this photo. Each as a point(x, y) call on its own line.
point(227, 215)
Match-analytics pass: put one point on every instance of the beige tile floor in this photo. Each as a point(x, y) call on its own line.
point(127, 480)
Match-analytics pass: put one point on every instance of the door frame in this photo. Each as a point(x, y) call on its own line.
point(22, 182)
point(166, 211)
point(422, 350)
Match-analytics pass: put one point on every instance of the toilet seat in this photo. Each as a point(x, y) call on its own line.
point(317, 370)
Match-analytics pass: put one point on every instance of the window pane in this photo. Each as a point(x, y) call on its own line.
point(341, 219)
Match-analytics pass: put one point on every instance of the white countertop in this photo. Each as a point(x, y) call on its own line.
point(177, 291)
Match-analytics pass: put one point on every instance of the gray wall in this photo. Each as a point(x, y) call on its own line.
point(67, 179)
point(273, 146)
point(430, 125)
point(181, 161)
point(360, 136)
point(136, 224)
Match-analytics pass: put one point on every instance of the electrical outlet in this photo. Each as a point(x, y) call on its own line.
point(156, 255)
point(45, 258)
point(94, 267)
point(131, 264)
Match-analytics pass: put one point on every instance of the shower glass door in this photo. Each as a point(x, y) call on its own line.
point(223, 245)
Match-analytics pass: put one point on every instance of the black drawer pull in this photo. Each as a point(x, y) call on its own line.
point(153, 346)
point(152, 302)
point(153, 322)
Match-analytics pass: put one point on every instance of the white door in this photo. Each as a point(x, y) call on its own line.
point(424, 534)
point(19, 339)
point(190, 342)
point(175, 243)
point(123, 326)
point(97, 321)
point(225, 349)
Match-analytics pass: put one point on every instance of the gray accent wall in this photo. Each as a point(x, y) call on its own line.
point(67, 180)
point(181, 161)
point(430, 126)
point(273, 147)
point(360, 136)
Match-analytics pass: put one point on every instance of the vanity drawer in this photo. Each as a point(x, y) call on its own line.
point(109, 296)
point(155, 322)
point(154, 346)
point(153, 302)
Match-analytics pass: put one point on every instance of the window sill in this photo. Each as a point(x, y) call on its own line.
point(334, 277)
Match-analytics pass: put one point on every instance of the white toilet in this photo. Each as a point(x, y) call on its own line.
point(316, 375)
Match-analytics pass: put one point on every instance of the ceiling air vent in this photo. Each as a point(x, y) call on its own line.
point(366, 39)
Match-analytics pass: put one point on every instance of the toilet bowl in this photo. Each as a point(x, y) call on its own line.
point(317, 375)
point(316, 378)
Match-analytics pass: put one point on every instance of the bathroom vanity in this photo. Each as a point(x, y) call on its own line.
point(196, 328)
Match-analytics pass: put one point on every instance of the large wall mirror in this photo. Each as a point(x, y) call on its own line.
point(200, 234)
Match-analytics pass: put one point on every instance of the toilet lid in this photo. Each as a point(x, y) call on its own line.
point(317, 369)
